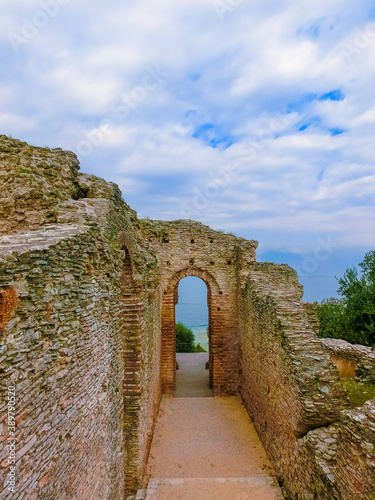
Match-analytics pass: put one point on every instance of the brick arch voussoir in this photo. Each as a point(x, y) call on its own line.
point(205, 276)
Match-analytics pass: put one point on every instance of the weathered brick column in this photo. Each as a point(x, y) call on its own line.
point(168, 356)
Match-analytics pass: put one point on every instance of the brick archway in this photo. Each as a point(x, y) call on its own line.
point(215, 330)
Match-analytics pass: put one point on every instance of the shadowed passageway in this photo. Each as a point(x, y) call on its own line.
point(192, 376)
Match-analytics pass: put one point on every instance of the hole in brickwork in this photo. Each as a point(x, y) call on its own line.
point(168, 263)
point(211, 241)
point(218, 308)
point(212, 263)
point(127, 270)
point(191, 241)
point(229, 262)
point(89, 268)
point(8, 303)
point(346, 368)
point(221, 293)
point(191, 261)
point(165, 293)
point(165, 240)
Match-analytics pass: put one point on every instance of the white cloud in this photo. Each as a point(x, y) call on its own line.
point(15, 124)
point(255, 76)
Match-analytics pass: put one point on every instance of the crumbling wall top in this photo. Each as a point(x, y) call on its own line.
point(42, 186)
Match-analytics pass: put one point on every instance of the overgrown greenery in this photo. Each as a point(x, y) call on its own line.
point(358, 392)
point(185, 340)
point(352, 318)
point(332, 317)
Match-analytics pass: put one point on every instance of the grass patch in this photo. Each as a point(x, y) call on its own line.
point(24, 171)
point(358, 392)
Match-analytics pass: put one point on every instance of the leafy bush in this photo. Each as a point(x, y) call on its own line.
point(185, 340)
point(359, 298)
point(199, 348)
point(358, 392)
point(352, 318)
point(331, 313)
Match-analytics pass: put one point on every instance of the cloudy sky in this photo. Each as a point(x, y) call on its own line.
point(253, 117)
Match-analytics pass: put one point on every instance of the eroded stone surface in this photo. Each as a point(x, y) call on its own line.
point(362, 358)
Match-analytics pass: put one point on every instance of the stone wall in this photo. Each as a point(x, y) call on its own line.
point(140, 313)
point(65, 330)
point(31, 190)
point(355, 468)
point(293, 391)
point(312, 315)
point(186, 248)
point(349, 358)
point(62, 353)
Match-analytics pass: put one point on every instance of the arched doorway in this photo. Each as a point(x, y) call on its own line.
point(214, 302)
point(192, 341)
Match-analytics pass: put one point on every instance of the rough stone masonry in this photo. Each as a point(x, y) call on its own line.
point(87, 299)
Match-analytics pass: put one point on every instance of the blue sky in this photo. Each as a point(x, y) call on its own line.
point(191, 309)
point(252, 117)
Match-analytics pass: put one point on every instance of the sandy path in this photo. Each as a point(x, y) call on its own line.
point(192, 377)
point(219, 489)
point(208, 438)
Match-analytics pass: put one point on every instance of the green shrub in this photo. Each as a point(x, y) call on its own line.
point(199, 348)
point(353, 317)
point(332, 319)
point(358, 392)
point(185, 340)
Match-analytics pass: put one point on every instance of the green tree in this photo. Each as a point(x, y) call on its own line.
point(358, 292)
point(199, 348)
point(332, 319)
point(185, 339)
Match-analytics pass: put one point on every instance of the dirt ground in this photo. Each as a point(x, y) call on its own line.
point(192, 377)
point(208, 438)
point(217, 490)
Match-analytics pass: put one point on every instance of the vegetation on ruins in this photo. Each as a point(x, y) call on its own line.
point(352, 318)
point(185, 340)
point(332, 319)
point(358, 392)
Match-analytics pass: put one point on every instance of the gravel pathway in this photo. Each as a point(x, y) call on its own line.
point(192, 377)
point(207, 448)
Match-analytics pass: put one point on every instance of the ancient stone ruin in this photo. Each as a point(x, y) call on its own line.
point(87, 315)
